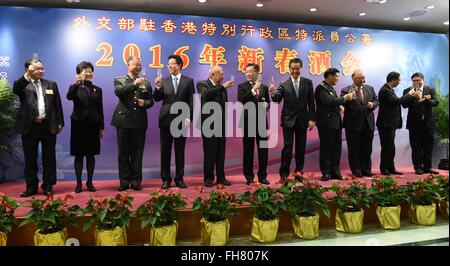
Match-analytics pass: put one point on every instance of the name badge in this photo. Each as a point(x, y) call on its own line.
point(48, 91)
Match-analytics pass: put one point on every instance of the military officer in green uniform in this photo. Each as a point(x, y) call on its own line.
point(130, 119)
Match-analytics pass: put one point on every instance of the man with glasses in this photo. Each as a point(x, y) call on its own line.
point(421, 123)
point(40, 119)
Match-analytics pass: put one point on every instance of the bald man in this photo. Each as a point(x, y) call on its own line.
point(359, 124)
point(213, 91)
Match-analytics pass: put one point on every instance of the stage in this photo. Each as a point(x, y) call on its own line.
point(189, 224)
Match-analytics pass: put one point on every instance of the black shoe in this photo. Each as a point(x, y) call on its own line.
point(180, 184)
point(137, 187)
point(28, 193)
point(325, 177)
point(357, 173)
point(264, 181)
point(395, 172)
point(224, 182)
point(209, 184)
point(78, 188)
point(431, 171)
point(367, 173)
point(48, 191)
point(123, 187)
point(90, 187)
point(165, 185)
point(385, 172)
point(419, 171)
point(299, 178)
point(337, 176)
point(249, 181)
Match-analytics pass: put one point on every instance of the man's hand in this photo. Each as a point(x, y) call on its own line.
point(60, 128)
point(228, 84)
point(139, 81)
point(101, 133)
point(349, 96)
point(272, 89)
point(311, 125)
point(370, 105)
point(187, 122)
point(78, 79)
point(341, 109)
point(412, 92)
point(140, 102)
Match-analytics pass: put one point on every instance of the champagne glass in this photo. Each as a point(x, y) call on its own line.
point(259, 77)
point(83, 76)
point(143, 74)
point(159, 73)
point(272, 81)
point(35, 55)
point(232, 78)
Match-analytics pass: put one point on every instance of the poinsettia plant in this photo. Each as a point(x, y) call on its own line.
point(351, 198)
point(386, 192)
point(110, 212)
point(7, 208)
point(51, 215)
point(265, 201)
point(161, 208)
point(423, 191)
point(305, 198)
point(219, 206)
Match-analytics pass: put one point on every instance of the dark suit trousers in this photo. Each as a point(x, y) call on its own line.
point(359, 144)
point(130, 143)
point(263, 153)
point(300, 145)
point(330, 150)
point(214, 157)
point(39, 133)
point(421, 141)
point(166, 153)
point(387, 141)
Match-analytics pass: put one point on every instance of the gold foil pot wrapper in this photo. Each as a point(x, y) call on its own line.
point(306, 227)
point(215, 233)
point(264, 231)
point(164, 235)
point(111, 237)
point(389, 217)
point(350, 222)
point(3, 239)
point(54, 239)
point(422, 214)
point(444, 208)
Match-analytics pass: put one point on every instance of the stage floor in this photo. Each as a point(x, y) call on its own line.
point(108, 188)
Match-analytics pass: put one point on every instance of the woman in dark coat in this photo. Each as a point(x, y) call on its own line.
point(87, 126)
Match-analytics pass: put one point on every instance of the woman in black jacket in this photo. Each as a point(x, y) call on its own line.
point(87, 126)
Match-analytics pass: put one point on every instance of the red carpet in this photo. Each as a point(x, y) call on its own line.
point(108, 188)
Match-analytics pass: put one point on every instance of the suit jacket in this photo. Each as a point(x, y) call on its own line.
point(390, 114)
point(211, 93)
point(87, 103)
point(166, 93)
point(245, 96)
point(328, 104)
point(127, 113)
point(418, 111)
point(302, 108)
point(356, 113)
point(28, 110)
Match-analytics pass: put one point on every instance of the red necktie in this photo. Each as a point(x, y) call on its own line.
point(361, 95)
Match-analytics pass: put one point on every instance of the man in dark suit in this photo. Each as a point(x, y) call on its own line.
point(421, 123)
point(298, 115)
point(254, 95)
point(40, 119)
point(388, 120)
point(359, 124)
point(174, 89)
point(329, 124)
point(214, 94)
point(130, 119)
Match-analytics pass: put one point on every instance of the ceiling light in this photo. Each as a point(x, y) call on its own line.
point(202, 1)
point(362, 14)
point(446, 23)
point(382, 1)
point(313, 9)
point(430, 7)
point(406, 19)
point(259, 4)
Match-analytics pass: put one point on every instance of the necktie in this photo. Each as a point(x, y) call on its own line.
point(361, 95)
point(175, 84)
point(296, 87)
